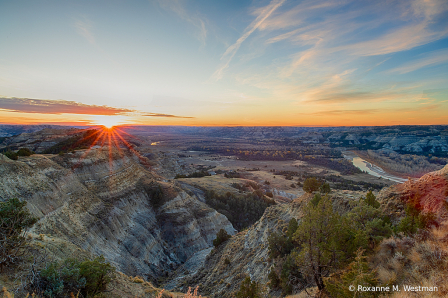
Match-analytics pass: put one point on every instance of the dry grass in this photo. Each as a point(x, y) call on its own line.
point(190, 294)
point(419, 261)
point(5, 294)
point(138, 279)
point(312, 292)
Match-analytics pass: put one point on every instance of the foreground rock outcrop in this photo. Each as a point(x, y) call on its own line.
point(247, 253)
point(101, 201)
point(430, 192)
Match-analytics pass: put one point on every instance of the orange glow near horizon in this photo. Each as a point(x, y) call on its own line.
point(240, 118)
point(109, 121)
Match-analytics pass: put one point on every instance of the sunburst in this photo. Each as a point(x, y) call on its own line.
point(109, 121)
point(111, 138)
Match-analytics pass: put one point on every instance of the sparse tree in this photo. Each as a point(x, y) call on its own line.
point(98, 274)
point(318, 235)
point(357, 273)
point(292, 227)
point(371, 200)
point(316, 199)
point(274, 279)
point(276, 244)
point(11, 155)
point(311, 184)
point(221, 237)
point(24, 152)
point(325, 188)
point(249, 289)
point(14, 222)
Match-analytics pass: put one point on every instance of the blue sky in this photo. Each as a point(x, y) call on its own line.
point(178, 62)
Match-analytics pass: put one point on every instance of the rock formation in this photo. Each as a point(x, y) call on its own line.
point(99, 201)
point(430, 192)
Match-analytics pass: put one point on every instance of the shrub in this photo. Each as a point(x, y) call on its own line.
point(14, 222)
point(415, 220)
point(292, 227)
point(325, 188)
point(316, 199)
point(367, 225)
point(276, 244)
point(357, 273)
point(311, 184)
point(58, 279)
point(198, 174)
point(274, 279)
point(11, 155)
point(98, 274)
point(371, 200)
point(155, 192)
point(249, 289)
point(221, 237)
point(24, 152)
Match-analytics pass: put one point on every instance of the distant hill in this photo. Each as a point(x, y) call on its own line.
point(7, 130)
point(414, 139)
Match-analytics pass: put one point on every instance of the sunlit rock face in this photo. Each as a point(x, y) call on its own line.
point(247, 252)
point(430, 192)
point(97, 200)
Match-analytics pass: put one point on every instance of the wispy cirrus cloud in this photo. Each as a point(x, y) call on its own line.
point(164, 115)
point(398, 40)
point(44, 106)
point(344, 112)
point(178, 7)
point(430, 59)
point(325, 39)
point(340, 90)
point(83, 27)
point(371, 111)
point(415, 24)
point(262, 14)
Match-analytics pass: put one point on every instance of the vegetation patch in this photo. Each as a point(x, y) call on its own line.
point(324, 242)
point(221, 237)
point(15, 220)
point(82, 141)
point(241, 210)
point(58, 279)
point(198, 174)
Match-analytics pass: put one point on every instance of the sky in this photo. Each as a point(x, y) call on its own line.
point(232, 63)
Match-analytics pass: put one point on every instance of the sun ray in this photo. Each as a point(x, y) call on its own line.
point(129, 135)
point(131, 148)
point(110, 149)
point(100, 134)
point(116, 143)
point(112, 138)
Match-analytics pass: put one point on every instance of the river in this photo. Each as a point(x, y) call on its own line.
point(370, 168)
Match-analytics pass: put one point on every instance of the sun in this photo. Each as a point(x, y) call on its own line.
point(109, 121)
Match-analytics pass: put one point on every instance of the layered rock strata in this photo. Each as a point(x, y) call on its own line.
point(98, 200)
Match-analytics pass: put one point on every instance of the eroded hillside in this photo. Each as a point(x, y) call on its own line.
point(107, 203)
